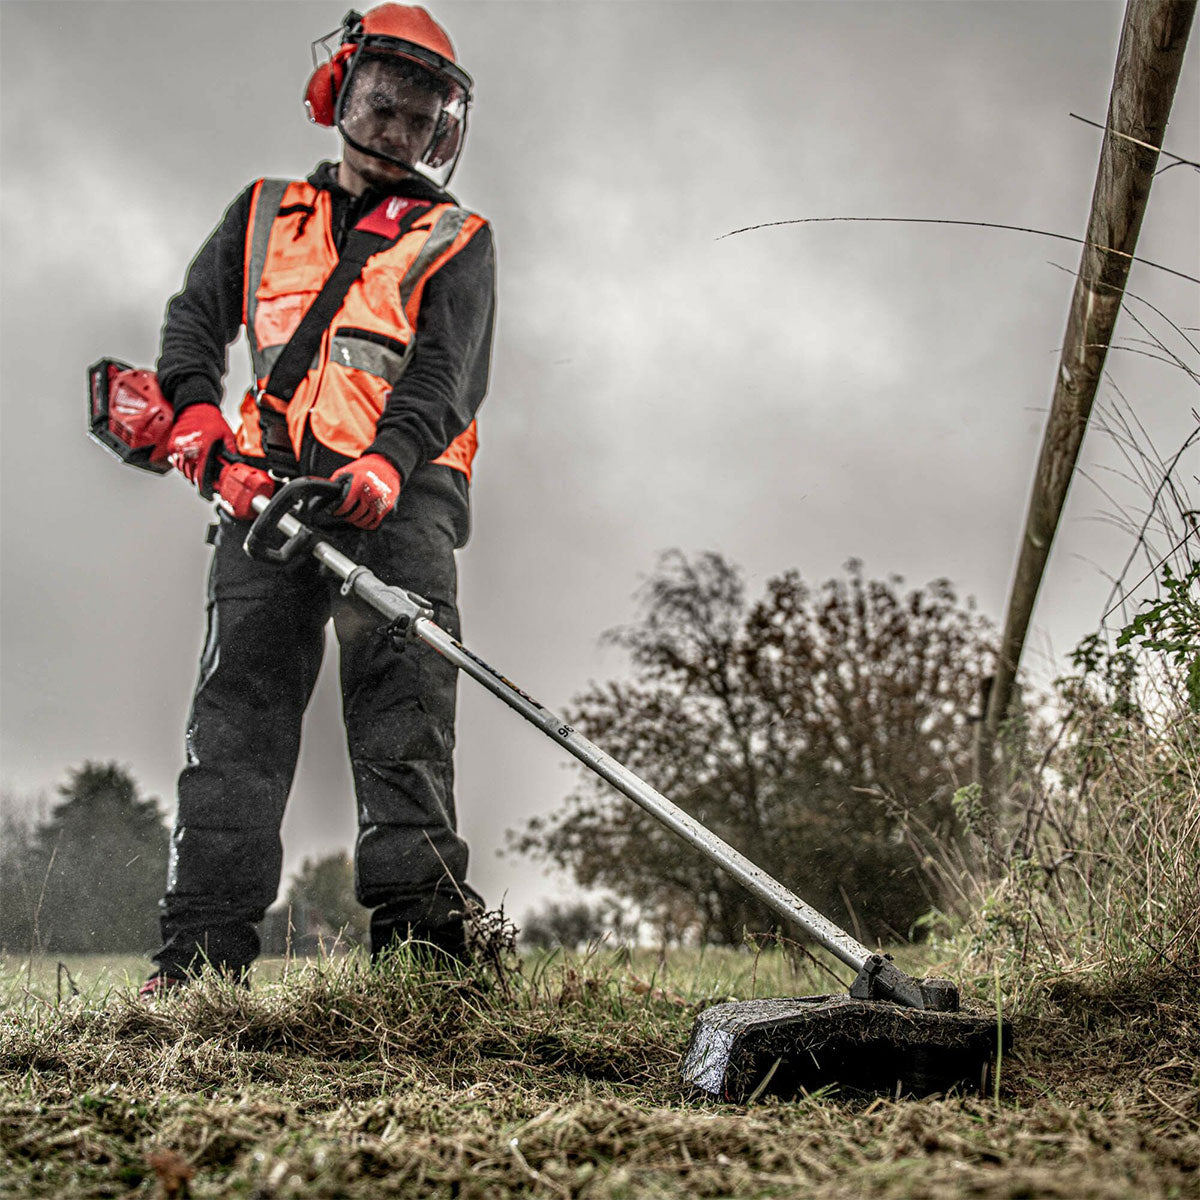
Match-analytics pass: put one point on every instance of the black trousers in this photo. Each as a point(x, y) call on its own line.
point(262, 652)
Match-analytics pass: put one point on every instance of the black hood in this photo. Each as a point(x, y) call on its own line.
point(324, 176)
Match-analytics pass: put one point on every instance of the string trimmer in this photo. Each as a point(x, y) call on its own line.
point(892, 1033)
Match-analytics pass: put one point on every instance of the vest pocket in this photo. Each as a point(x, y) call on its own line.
point(379, 285)
point(277, 317)
point(375, 353)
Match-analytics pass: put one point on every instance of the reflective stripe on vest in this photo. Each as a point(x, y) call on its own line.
point(364, 353)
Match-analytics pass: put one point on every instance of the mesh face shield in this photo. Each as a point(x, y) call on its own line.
point(399, 106)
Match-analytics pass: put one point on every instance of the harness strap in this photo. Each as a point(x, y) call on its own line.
point(378, 230)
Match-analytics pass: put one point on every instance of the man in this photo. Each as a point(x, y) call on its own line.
point(367, 297)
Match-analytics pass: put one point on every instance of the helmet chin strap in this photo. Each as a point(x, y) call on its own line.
point(360, 170)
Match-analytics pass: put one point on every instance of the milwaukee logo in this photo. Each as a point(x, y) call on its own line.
point(128, 404)
point(384, 219)
point(383, 500)
point(186, 449)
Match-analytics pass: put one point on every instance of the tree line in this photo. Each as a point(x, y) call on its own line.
point(86, 877)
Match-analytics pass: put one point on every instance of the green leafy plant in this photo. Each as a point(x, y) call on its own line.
point(1170, 624)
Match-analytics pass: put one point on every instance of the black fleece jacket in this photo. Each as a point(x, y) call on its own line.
point(446, 378)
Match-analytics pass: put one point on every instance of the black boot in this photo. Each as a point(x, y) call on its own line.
point(443, 945)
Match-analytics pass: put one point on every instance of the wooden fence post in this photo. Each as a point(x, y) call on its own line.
point(1149, 59)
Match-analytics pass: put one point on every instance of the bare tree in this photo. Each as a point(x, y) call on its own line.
point(803, 729)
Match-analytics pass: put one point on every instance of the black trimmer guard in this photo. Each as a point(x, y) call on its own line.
point(785, 1047)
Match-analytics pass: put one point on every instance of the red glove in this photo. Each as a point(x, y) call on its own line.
point(196, 431)
point(374, 489)
point(237, 486)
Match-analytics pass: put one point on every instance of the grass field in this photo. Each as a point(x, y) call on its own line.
point(329, 1079)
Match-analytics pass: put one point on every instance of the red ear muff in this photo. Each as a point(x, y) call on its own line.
point(320, 96)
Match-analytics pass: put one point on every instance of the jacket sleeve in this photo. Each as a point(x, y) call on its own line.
point(445, 382)
point(206, 315)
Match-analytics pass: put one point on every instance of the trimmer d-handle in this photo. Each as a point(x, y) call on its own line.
point(304, 499)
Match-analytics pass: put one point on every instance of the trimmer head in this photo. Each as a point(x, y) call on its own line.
point(784, 1047)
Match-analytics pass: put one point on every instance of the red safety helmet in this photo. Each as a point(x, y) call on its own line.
point(393, 89)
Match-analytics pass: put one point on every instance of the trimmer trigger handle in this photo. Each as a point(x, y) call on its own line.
point(221, 457)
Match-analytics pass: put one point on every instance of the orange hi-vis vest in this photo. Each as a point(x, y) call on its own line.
point(364, 352)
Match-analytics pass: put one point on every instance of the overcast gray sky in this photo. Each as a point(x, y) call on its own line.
point(790, 397)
